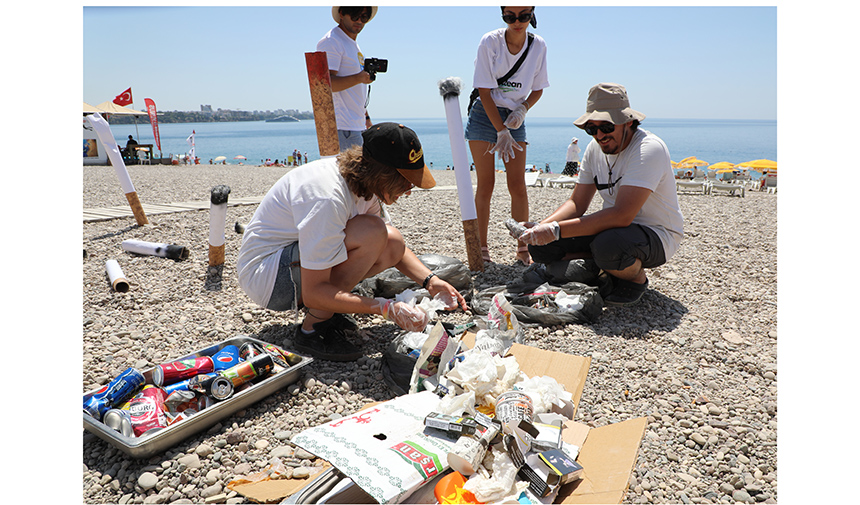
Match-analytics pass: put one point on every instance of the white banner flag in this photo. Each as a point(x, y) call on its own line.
point(192, 155)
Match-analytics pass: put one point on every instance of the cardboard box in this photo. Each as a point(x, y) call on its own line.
point(607, 454)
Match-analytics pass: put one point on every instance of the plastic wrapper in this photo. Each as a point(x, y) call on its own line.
point(436, 353)
point(274, 470)
point(390, 282)
point(532, 305)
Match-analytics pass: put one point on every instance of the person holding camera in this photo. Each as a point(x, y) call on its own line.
point(349, 78)
point(321, 229)
point(510, 76)
point(640, 224)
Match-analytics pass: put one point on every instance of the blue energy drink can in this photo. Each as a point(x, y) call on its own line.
point(123, 387)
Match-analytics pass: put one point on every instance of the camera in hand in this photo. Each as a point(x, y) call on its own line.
point(374, 65)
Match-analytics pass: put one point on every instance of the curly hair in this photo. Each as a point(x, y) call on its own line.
point(367, 177)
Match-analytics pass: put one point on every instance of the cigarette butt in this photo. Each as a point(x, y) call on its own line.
point(117, 279)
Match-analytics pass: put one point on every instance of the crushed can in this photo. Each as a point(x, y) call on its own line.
point(183, 385)
point(119, 420)
point(123, 387)
point(217, 387)
point(170, 373)
point(281, 357)
point(147, 410)
point(249, 349)
point(250, 369)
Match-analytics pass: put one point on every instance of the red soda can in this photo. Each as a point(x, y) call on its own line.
point(249, 369)
point(169, 373)
point(147, 410)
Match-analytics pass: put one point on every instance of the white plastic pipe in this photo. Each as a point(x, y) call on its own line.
point(102, 131)
point(450, 90)
point(172, 251)
point(117, 279)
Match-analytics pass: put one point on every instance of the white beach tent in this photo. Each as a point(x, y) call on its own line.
point(112, 108)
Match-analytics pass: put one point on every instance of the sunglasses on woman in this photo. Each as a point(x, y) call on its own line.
point(510, 19)
point(606, 128)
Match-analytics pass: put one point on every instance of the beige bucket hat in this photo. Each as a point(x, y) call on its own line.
point(608, 101)
point(336, 15)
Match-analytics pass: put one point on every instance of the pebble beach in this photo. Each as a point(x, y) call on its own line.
point(697, 356)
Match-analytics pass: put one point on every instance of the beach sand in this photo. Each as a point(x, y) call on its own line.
point(697, 356)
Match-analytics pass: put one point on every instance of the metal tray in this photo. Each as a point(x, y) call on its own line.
point(158, 441)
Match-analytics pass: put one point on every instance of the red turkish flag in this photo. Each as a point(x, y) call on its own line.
point(123, 98)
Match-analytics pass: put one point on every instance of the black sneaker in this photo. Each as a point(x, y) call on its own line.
point(344, 322)
point(625, 293)
point(327, 342)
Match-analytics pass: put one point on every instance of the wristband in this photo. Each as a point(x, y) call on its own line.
point(426, 280)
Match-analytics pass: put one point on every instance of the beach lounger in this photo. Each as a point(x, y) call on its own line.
point(563, 181)
point(694, 185)
point(532, 178)
point(732, 189)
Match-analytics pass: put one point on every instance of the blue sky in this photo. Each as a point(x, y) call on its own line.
point(676, 62)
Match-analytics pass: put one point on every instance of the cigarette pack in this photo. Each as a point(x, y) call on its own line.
point(548, 470)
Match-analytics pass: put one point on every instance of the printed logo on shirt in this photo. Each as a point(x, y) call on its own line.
point(508, 86)
point(361, 60)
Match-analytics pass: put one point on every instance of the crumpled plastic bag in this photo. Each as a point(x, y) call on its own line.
point(390, 282)
point(485, 374)
point(428, 305)
point(535, 302)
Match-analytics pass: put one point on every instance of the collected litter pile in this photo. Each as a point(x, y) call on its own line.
point(485, 420)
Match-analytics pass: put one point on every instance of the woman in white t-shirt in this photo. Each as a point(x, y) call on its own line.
point(496, 121)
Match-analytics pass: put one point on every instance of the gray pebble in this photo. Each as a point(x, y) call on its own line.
point(147, 480)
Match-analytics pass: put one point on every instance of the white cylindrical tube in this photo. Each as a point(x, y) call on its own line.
point(461, 162)
point(117, 279)
point(172, 251)
point(102, 131)
point(217, 223)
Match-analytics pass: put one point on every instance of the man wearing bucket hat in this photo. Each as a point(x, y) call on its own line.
point(640, 224)
point(348, 79)
point(321, 229)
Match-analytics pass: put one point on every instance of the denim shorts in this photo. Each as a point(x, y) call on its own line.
point(349, 138)
point(479, 127)
point(288, 283)
point(612, 249)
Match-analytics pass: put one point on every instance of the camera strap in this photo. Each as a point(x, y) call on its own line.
point(511, 72)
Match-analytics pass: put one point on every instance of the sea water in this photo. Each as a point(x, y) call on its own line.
point(711, 140)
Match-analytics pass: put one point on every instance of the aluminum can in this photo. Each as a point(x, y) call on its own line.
point(183, 385)
point(514, 406)
point(227, 357)
point(123, 387)
point(249, 369)
point(249, 350)
point(119, 420)
point(147, 410)
point(282, 358)
point(218, 387)
point(176, 371)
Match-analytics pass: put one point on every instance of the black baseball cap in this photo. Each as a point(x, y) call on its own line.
point(397, 146)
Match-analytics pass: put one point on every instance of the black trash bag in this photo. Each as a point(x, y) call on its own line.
point(584, 271)
point(397, 364)
point(540, 307)
point(392, 282)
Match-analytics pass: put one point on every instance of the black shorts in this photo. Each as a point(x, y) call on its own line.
point(613, 249)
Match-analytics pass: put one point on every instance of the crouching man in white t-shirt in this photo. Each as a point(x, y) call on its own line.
point(640, 225)
point(319, 231)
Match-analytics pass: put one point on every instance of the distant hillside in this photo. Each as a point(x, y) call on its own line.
point(219, 115)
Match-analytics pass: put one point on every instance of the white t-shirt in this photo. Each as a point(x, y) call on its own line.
point(310, 204)
point(494, 60)
point(345, 58)
point(644, 163)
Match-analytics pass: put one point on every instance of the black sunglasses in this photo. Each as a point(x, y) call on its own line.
point(606, 128)
point(609, 186)
point(364, 15)
point(512, 18)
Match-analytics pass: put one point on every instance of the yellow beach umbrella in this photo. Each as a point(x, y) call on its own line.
point(723, 165)
point(692, 162)
point(759, 164)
